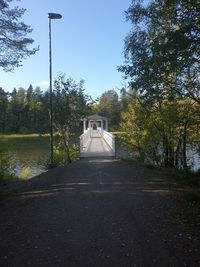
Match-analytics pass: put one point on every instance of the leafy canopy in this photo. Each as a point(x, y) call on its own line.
point(14, 45)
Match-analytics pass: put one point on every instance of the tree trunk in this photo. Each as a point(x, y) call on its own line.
point(66, 146)
point(165, 151)
point(184, 154)
point(177, 151)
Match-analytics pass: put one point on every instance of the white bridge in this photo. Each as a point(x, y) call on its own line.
point(96, 141)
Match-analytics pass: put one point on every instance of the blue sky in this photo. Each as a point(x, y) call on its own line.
point(86, 43)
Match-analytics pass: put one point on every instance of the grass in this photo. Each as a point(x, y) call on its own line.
point(10, 136)
point(188, 181)
point(192, 196)
point(24, 142)
point(118, 133)
point(184, 177)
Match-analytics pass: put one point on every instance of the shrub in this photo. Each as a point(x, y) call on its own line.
point(5, 164)
point(61, 156)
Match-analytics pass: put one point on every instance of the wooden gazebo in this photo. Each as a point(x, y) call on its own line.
point(95, 122)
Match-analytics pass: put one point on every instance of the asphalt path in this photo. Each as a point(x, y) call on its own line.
point(95, 212)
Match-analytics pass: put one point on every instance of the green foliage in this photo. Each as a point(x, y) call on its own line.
point(95, 108)
point(137, 123)
point(4, 161)
point(109, 106)
point(27, 111)
point(74, 152)
point(162, 58)
point(71, 105)
point(3, 108)
point(158, 134)
point(5, 165)
point(24, 111)
point(62, 156)
point(14, 43)
point(162, 64)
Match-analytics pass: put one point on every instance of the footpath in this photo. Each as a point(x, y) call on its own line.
point(98, 213)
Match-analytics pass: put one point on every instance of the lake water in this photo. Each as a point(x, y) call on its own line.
point(33, 152)
point(193, 158)
point(29, 152)
point(193, 154)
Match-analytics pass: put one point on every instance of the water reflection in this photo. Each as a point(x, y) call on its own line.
point(34, 163)
point(28, 152)
point(33, 152)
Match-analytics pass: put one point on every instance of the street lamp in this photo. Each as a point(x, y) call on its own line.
point(51, 16)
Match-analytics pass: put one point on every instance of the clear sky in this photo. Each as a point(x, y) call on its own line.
point(86, 43)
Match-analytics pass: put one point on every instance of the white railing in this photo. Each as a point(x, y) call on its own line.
point(84, 140)
point(86, 137)
point(99, 129)
point(110, 139)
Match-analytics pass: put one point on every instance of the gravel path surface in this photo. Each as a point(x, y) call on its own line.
point(99, 212)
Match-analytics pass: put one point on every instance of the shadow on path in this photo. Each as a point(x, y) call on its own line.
point(95, 212)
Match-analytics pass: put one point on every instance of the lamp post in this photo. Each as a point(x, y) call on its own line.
point(51, 16)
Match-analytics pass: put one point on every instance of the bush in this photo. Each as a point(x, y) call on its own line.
point(61, 157)
point(5, 164)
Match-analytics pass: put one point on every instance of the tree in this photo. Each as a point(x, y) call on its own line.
point(24, 111)
point(70, 106)
point(163, 48)
point(29, 93)
point(3, 110)
point(14, 45)
point(125, 98)
point(162, 55)
point(161, 135)
point(36, 113)
point(109, 106)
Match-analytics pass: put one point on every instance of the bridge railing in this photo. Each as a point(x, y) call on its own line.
point(110, 139)
point(84, 140)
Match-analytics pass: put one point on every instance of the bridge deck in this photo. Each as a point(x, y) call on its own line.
point(97, 147)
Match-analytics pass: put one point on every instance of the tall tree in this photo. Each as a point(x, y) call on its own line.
point(70, 107)
point(14, 45)
point(163, 48)
point(162, 63)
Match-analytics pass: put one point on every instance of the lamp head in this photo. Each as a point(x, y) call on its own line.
point(54, 16)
